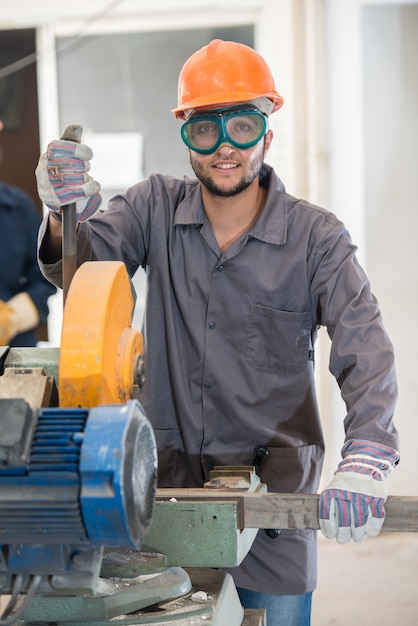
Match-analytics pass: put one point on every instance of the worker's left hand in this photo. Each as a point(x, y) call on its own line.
point(62, 178)
point(352, 506)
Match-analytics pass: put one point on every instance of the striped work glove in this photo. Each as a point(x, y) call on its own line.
point(352, 507)
point(62, 178)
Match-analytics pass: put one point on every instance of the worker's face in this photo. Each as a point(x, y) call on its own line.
point(229, 170)
point(227, 146)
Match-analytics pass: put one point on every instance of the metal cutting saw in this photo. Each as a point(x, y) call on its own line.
point(81, 540)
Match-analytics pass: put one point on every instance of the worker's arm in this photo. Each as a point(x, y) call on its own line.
point(362, 361)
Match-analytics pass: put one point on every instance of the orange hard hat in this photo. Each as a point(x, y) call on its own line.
point(224, 72)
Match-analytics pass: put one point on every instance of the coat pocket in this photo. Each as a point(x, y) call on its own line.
point(278, 341)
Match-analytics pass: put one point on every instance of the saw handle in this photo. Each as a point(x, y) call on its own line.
point(69, 224)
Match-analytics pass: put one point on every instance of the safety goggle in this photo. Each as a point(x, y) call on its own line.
point(242, 128)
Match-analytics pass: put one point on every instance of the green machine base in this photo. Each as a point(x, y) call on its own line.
point(211, 599)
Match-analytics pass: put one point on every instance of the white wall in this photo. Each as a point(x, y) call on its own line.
point(372, 63)
point(390, 89)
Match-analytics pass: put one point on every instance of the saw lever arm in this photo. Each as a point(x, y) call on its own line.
point(69, 224)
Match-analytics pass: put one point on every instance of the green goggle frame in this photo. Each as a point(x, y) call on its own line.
point(241, 127)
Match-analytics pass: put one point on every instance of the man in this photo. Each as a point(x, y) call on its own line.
point(24, 292)
point(240, 277)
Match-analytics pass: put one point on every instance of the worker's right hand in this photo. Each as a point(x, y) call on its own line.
point(62, 179)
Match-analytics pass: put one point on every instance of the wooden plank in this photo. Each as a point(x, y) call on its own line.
point(294, 511)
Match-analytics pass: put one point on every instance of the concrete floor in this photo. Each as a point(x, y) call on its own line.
point(372, 583)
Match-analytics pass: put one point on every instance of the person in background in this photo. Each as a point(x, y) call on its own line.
point(240, 276)
point(24, 291)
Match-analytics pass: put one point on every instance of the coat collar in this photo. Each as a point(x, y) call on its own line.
point(271, 225)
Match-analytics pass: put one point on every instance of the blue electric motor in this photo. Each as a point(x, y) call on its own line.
point(71, 482)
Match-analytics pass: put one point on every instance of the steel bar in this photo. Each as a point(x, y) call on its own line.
point(69, 246)
point(293, 511)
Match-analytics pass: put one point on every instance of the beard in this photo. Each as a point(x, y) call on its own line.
point(254, 168)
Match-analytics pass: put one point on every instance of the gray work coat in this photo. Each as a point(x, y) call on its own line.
point(229, 345)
